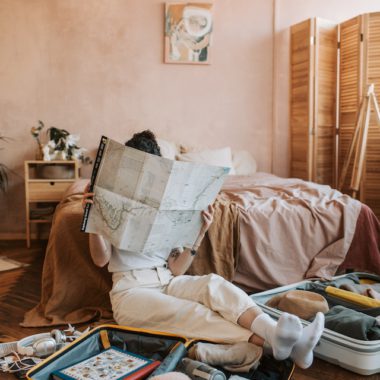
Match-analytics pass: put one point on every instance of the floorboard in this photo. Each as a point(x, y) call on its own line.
point(20, 291)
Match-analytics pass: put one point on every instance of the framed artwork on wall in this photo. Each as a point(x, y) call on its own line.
point(188, 29)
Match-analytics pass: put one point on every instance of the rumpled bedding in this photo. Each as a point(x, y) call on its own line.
point(267, 231)
point(289, 230)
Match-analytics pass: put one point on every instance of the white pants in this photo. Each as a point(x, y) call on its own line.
point(205, 307)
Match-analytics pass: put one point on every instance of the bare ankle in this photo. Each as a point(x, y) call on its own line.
point(257, 340)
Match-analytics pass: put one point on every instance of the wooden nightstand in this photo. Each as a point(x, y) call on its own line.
point(45, 184)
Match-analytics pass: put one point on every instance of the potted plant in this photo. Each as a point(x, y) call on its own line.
point(61, 146)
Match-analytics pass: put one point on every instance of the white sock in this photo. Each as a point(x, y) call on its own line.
point(302, 353)
point(281, 335)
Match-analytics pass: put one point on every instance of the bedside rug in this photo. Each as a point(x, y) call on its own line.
point(8, 264)
point(10, 272)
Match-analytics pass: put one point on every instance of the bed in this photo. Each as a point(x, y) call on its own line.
point(267, 232)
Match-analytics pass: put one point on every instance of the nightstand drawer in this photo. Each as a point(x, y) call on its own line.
point(47, 191)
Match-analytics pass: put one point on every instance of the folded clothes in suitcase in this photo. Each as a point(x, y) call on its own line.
point(162, 351)
point(358, 355)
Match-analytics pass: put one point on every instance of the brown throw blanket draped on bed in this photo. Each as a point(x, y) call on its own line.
point(218, 252)
point(73, 290)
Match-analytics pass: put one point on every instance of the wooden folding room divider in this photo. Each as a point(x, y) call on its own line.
point(331, 68)
point(313, 99)
point(359, 68)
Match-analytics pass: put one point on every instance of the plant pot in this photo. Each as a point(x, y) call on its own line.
point(39, 154)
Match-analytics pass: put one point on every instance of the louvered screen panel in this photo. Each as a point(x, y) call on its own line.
point(350, 84)
point(325, 102)
point(371, 180)
point(300, 114)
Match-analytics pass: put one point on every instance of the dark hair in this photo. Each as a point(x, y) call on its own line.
point(145, 141)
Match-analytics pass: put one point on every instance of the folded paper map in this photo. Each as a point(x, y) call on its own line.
point(144, 202)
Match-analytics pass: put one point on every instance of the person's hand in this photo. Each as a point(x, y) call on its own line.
point(87, 196)
point(207, 217)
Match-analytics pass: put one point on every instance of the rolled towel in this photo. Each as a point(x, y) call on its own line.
point(237, 357)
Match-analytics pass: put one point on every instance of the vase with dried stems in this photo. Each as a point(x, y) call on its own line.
point(35, 131)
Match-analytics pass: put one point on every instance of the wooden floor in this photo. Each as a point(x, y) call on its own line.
point(20, 291)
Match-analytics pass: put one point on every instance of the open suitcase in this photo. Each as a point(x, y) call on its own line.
point(167, 348)
point(360, 356)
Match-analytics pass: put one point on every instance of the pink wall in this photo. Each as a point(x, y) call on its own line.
point(96, 67)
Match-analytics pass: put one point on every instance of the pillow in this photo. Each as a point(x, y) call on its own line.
point(168, 149)
point(244, 163)
point(216, 157)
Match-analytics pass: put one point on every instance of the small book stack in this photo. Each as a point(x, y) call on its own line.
point(110, 364)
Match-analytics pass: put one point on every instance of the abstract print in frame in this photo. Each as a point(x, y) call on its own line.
point(188, 28)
